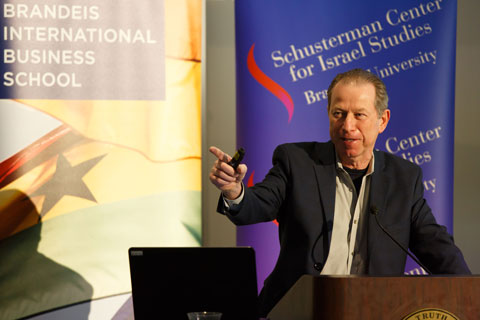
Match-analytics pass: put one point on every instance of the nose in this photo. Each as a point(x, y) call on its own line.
point(349, 123)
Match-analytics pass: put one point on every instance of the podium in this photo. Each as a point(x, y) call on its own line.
point(371, 297)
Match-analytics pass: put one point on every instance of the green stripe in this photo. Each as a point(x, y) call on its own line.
point(84, 254)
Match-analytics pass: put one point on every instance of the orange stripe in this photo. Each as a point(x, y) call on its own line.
point(12, 164)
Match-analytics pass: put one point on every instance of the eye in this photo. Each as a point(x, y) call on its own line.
point(337, 114)
point(360, 115)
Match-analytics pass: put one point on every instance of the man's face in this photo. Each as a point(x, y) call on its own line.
point(354, 122)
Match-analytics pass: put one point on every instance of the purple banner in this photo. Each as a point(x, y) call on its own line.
point(288, 53)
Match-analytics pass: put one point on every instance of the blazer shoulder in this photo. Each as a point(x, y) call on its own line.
point(318, 152)
point(389, 161)
point(312, 147)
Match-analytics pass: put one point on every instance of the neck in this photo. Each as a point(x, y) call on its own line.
point(357, 164)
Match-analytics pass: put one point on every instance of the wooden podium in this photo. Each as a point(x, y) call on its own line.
point(369, 297)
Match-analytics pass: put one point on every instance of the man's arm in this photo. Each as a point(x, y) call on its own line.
point(431, 242)
point(260, 203)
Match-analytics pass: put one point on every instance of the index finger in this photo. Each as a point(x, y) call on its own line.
point(219, 154)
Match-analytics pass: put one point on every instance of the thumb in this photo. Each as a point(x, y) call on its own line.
point(241, 171)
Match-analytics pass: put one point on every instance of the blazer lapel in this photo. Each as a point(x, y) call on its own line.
point(325, 175)
point(378, 191)
point(379, 184)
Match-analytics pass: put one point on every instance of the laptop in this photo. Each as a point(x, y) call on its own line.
point(167, 283)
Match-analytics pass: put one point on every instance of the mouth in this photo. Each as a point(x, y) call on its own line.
point(348, 139)
point(349, 142)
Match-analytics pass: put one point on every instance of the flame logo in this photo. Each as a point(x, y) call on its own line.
point(250, 179)
point(269, 84)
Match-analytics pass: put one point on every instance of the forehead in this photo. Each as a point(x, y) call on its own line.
point(353, 93)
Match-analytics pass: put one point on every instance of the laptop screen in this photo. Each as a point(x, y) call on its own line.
point(167, 283)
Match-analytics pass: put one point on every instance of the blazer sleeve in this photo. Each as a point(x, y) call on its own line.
point(262, 202)
point(431, 242)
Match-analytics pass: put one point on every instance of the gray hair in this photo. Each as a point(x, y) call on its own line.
point(360, 75)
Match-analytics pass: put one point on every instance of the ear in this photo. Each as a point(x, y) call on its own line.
point(384, 120)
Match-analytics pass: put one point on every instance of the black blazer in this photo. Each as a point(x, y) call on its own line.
point(299, 191)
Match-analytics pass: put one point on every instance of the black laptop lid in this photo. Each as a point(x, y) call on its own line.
point(169, 282)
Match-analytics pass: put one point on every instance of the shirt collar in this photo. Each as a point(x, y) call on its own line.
point(371, 165)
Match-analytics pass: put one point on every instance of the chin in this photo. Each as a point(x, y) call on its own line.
point(351, 154)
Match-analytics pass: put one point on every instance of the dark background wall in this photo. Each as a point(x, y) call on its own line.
point(219, 123)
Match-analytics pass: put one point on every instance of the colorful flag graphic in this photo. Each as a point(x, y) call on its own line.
point(106, 175)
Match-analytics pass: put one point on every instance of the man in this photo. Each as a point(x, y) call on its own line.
point(323, 194)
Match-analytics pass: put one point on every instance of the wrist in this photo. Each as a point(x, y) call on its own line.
point(234, 193)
